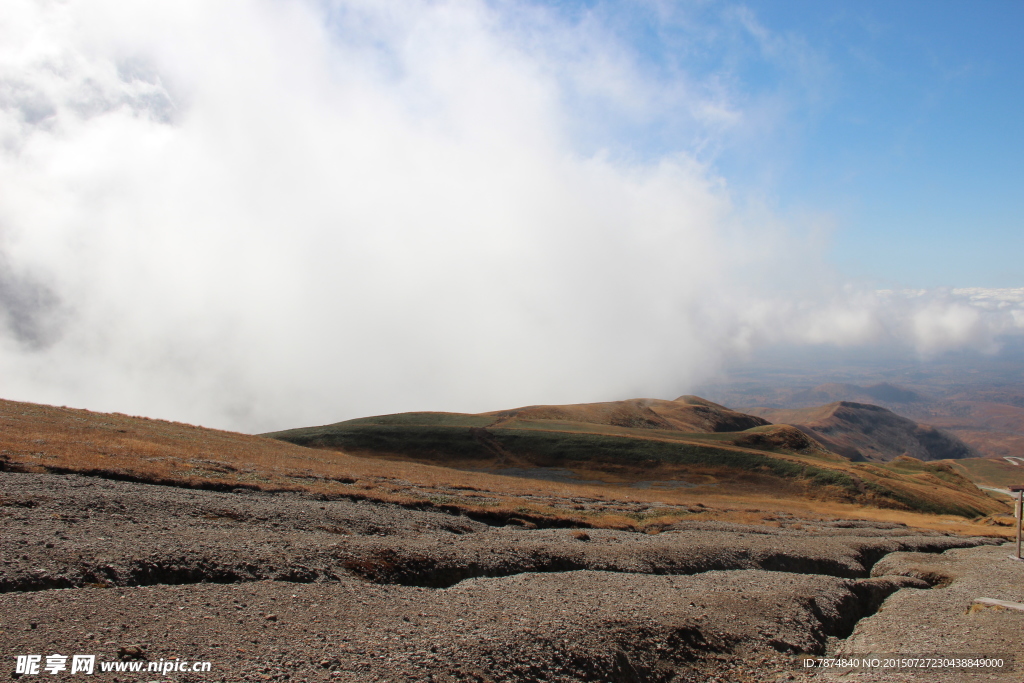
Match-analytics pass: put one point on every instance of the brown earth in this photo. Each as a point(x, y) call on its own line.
point(301, 587)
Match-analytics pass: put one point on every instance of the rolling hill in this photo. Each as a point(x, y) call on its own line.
point(686, 413)
point(862, 431)
point(688, 442)
point(615, 476)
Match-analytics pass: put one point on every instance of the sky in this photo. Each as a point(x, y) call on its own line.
point(261, 214)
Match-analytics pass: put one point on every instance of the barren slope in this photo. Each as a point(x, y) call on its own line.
point(284, 586)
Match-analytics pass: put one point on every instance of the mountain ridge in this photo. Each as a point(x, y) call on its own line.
point(863, 431)
point(686, 413)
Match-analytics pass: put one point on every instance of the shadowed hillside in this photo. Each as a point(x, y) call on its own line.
point(984, 410)
point(861, 431)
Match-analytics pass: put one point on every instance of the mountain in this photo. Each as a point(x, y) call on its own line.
point(863, 431)
point(984, 407)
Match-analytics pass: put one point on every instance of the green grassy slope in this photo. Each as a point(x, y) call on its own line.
point(764, 457)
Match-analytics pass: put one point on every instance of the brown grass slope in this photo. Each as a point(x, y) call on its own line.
point(39, 438)
point(862, 431)
point(686, 414)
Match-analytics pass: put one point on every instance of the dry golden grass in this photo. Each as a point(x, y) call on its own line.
point(686, 413)
point(45, 438)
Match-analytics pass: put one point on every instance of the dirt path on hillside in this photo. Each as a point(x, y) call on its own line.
point(287, 587)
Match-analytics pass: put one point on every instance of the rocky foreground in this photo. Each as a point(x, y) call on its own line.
point(289, 587)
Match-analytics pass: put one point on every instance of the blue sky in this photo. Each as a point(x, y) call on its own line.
point(902, 121)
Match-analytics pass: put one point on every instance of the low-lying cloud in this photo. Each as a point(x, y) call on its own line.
point(928, 322)
point(258, 215)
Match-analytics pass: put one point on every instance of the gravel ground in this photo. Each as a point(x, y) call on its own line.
point(285, 587)
point(943, 622)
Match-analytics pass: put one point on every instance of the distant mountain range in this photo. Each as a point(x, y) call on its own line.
point(979, 400)
point(879, 394)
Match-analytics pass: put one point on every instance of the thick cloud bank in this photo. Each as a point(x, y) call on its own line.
point(265, 214)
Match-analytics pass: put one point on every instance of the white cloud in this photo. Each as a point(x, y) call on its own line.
point(259, 215)
point(928, 322)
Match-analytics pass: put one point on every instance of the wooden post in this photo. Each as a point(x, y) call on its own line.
point(1018, 513)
